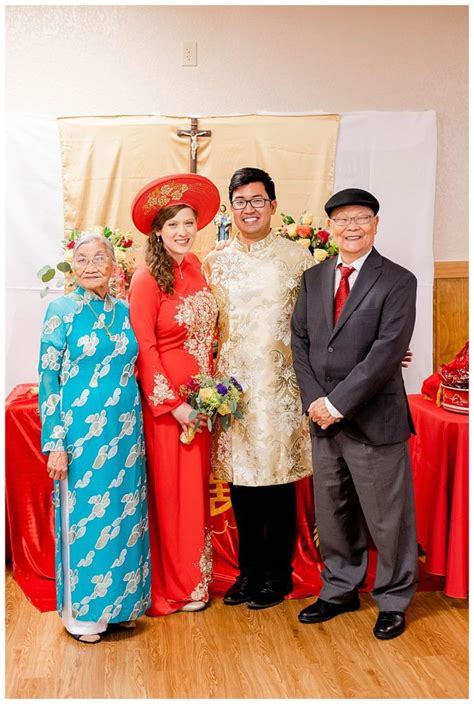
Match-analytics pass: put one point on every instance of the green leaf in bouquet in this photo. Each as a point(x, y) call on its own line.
point(44, 292)
point(232, 405)
point(194, 414)
point(209, 424)
point(65, 267)
point(287, 219)
point(238, 414)
point(225, 422)
point(48, 275)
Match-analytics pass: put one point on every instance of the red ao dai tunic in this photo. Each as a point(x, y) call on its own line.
point(175, 335)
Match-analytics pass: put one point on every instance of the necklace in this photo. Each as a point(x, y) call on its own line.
point(102, 322)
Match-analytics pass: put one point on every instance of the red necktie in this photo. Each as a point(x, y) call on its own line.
point(342, 291)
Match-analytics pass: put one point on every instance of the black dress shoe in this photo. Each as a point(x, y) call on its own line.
point(270, 594)
point(390, 624)
point(325, 610)
point(240, 592)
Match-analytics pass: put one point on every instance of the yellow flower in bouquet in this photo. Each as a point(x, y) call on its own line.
point(291, 229)
point(212, 398)
point(305, 243)
point(320, 255)
point(224, 409)
point(206, 394)
point(306, 219)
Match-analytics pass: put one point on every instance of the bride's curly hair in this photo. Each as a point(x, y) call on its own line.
point(159, 262)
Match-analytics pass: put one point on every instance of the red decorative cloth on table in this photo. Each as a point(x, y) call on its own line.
point(175, 335)
point(440, 459)
point(454, 374)
point(28, 499)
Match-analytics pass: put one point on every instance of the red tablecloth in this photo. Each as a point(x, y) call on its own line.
point(439, 453)
point(30, 516)
point(28, 493)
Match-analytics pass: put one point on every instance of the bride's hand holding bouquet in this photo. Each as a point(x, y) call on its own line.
point(210, 399)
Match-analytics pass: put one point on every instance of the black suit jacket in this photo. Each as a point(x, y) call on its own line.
point(356, 364)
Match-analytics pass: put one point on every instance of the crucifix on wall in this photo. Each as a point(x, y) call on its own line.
point(193, 134)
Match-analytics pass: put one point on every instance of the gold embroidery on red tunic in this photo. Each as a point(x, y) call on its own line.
point(161, 390)
point(198, 313)
point(200, 593)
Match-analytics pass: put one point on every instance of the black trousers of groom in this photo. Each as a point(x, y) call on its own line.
point(266, 523)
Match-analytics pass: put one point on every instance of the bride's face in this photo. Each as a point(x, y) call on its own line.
point(179, 232)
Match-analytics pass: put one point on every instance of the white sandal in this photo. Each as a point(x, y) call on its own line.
point(194, 606)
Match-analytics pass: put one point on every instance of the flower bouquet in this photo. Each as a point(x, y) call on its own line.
point(316, 239)
point(122, 244)
point(218, 399)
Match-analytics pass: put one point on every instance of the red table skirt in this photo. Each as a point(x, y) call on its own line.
point(30, 515)
point(440, 459)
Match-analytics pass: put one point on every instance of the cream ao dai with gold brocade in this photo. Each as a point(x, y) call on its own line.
point(256, 288)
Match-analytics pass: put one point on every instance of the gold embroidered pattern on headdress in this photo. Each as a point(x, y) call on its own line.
point(161, 196)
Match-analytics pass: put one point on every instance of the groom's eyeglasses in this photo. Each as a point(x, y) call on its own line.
point(258, 202)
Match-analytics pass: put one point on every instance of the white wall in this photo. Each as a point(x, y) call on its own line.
point(69, 60)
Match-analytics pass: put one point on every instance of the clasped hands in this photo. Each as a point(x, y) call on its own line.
point(320, 415)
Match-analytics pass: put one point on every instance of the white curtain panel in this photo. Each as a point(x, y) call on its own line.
point(34, 230)
point(393, 155)
point(390, 154)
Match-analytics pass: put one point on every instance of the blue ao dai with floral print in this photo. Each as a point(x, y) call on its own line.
point(90, 407)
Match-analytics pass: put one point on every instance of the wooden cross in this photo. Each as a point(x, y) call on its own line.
point(194, 133)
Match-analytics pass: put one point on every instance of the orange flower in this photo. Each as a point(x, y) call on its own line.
point(303, 230)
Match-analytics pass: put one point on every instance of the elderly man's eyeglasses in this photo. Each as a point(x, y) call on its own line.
point(359, 220)
point(257, 202)
point(99, 261)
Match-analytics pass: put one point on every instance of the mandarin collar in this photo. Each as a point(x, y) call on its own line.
point(258, 246)
point(88, 296)
point(185, 262)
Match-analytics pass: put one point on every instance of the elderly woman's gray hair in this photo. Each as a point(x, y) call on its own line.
point(86, 237)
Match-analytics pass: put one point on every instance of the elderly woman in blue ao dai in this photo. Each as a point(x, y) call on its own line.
point(92, 431)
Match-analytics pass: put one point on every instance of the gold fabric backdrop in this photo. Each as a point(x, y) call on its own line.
point(106, 160)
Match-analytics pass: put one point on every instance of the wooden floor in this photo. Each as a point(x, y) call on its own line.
point(232, 652)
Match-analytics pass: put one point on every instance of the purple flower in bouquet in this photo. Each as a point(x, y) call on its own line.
point(212, 400)
point(236, 383)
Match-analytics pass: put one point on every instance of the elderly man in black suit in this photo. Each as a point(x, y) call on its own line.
point(350, 329)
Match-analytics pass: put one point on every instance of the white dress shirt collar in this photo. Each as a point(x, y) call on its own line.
point(356, 264)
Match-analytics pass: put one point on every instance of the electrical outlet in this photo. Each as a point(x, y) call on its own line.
point(189, 54)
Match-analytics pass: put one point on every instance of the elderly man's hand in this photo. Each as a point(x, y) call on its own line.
point(408, 358)
point(57, 465)
point(319, 414)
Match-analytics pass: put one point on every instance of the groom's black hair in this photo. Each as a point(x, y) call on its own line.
point(249, 174)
